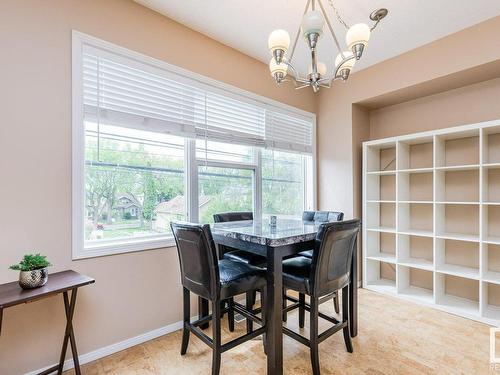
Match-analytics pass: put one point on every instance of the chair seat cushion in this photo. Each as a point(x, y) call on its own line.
point(238, 277)
point(246, 257)
point(296, 273)
point(307, 254)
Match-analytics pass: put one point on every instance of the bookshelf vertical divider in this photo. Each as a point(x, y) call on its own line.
point(431, 219)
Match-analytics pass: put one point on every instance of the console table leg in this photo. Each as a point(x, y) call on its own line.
point(69, 334)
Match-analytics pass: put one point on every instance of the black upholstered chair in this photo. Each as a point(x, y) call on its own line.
point(234, 254)
point(326, 272)
point(318, 217)
point(215, 280)
point(226, 252)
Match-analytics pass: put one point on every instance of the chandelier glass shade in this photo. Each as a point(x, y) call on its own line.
point(311, 29)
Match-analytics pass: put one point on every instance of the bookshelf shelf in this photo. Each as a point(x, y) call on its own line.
point(431, 208)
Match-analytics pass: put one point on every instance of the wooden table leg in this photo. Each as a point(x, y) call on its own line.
point(353, 295)
point(203, 311)
point(1, 317)
point(274, 312)
point(69, 335)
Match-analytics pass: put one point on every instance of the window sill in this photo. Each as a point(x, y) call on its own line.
point(122, 247)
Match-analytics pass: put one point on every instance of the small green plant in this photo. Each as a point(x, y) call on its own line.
point(31, 262)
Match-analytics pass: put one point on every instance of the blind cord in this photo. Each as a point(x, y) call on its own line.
point(98, 111)
point(206, 135)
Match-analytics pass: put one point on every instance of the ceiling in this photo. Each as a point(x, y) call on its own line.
point(245, 25)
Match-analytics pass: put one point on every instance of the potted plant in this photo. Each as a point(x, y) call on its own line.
point(33, 271)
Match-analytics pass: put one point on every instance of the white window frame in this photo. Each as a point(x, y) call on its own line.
point(82, 251)
point(193, 201)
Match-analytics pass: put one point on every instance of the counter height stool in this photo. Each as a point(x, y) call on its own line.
point(318, 217)
point(328, 271)
point(214, 280)
point(234, 254)
point(226, 252)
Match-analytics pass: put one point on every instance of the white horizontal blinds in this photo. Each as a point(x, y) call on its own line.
point(233, 121)
point(289, 132)
point(122, 91)
point(124, 95)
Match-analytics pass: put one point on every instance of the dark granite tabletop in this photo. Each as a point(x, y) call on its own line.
point(287, 231)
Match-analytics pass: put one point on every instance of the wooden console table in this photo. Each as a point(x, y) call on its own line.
point(12, 294)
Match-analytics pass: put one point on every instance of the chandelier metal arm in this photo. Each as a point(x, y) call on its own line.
point(302, 85)
point(298, 33)
point(330, 26)
point(295, 74)
point(342, 63)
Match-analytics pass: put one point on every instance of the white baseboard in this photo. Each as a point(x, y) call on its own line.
point(122, 345)
point(113, 348)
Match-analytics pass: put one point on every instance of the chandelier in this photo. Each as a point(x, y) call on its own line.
point(311, 29)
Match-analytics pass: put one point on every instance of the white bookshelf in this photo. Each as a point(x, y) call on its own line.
point(431, 219)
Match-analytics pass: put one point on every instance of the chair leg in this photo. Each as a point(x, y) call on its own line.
point(216, 350)
point(250, 301)
point(230, 314)
point(302, 309)
point(222, 305)
point(263, 305)
point(345, 318)
point(285, 314)
point(313, 338)
point(336, 302)
point(186, 320)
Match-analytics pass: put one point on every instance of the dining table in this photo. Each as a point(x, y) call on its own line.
point(276, 242)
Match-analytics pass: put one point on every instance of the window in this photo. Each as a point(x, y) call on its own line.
point(153, 143)
point(132, 179)
point(223, 190)
point(284, 183)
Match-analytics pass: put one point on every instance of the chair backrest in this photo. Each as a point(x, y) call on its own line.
point(322, 216)
point(332, 256)
point(308, 215)
point(233, 216)
point(197, 258)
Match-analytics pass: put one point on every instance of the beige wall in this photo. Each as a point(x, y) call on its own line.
point(400, 96)
point(466, 105)
point(134, 293)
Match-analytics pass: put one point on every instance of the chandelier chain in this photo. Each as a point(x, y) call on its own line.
point(337, 14)
point(375, 24)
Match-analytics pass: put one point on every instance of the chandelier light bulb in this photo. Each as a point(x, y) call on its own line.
point(312, 22)
point(357, 38)
point(276, 68)
point(278, 39)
